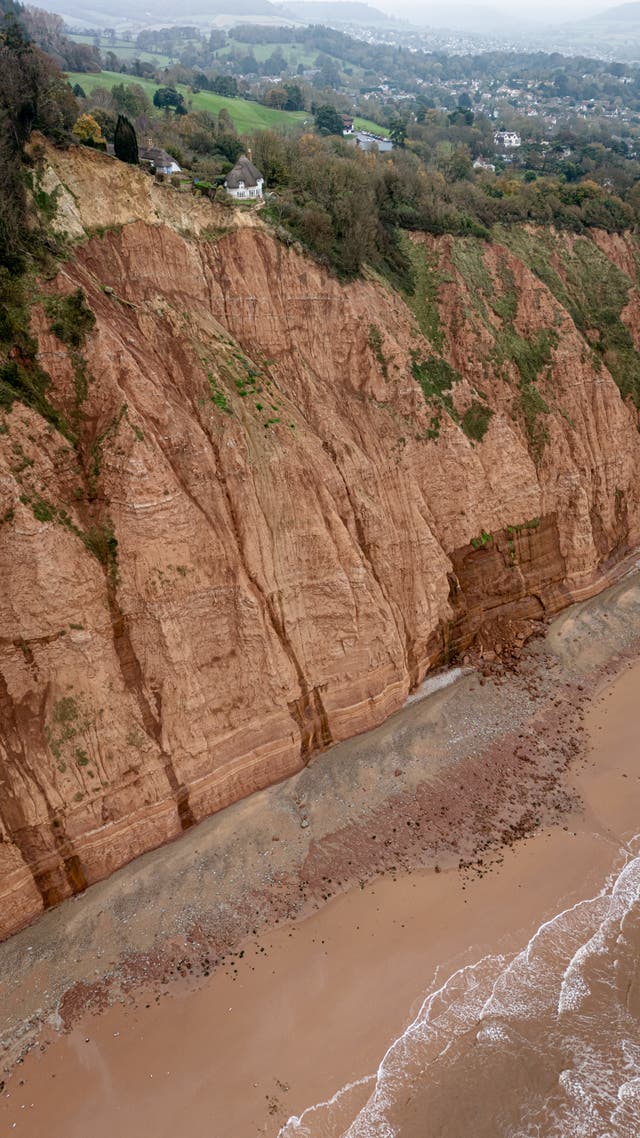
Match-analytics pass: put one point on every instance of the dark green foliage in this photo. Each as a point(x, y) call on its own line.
point(532, 358)
point(125, 143)
point(436, 378)
point(375, 343)
point(27, 383)
point(532, 406)
point(482, 541)
point(523, 527)
point(531, 355)
point(593, 290)
point(168, 97)
point(71, 317)
point(33, 95)
point(218, 397)
point(476, 419)
point(426, 288)
point(327, 120)
point(398, 131)
point(106, 120)
point(43, 511)
point(101, 541)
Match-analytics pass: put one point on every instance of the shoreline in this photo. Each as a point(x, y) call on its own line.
point(515, 781)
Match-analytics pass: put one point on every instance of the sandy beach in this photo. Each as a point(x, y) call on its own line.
point(155, 1009)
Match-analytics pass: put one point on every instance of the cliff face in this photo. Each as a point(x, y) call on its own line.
point(286, 499)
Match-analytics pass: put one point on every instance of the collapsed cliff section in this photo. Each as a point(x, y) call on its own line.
point(257, 505)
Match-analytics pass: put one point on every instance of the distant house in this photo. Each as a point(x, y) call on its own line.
point(365, 140)
point(507, 139)
point(162, 162)
point(482, 164)
point(245, 181)
point(347, 124)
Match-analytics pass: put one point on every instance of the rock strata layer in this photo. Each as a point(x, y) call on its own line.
point(273, 516)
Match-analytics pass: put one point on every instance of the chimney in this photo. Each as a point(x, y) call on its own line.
point(249, 154)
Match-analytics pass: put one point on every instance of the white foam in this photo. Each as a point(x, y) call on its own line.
point(538, 980)
point(296, 1125)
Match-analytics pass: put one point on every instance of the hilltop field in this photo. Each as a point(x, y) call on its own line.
point(248, 116)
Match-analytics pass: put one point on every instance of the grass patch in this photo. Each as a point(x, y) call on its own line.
point(423, 301)
point(436, 378)
point(218, 397)
point(375, 343)
point(70, 316)
point(475, 421)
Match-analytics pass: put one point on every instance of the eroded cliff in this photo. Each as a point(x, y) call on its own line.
point(277, 501)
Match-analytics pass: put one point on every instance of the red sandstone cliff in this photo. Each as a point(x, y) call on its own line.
point(293, 548)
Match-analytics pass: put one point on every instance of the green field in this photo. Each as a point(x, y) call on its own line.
point(293, 53)
point(369, 124)
point(247, 116)
point(124, 49)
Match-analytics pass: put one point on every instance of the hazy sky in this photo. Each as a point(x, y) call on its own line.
point(542, 11)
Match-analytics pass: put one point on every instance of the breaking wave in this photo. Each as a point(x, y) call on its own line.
point(541, 1044)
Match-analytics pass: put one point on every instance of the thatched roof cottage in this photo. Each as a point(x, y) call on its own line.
point(245, 181)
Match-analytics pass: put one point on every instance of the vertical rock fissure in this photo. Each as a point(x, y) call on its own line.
point(130, 669)
point(48, 879)
point(134, 682)
point(313, 727)
point(404, 636)
point(308, 711)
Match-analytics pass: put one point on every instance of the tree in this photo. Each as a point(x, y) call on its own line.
point(33, 95)
point(270, 156)
point(168, 97)
point(225, 122)
point(225, 85)
point(398, 132)
point(125, 143)
point(78, 91)
point(276, 97)
point(87, 130)
point(130, 99)
point(106, 120)
point(295, 98)
point(327, 120)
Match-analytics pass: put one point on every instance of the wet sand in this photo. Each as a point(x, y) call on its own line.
point(313, 1004)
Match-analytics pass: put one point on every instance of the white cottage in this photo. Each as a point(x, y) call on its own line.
point(244, 182)
point(507, 139)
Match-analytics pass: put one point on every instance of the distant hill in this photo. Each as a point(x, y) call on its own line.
point(613, 33)
point(106, 13)
point(622, 13)
point(332, 12)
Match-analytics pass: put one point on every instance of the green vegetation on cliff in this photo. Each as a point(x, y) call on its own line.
point(592, 289)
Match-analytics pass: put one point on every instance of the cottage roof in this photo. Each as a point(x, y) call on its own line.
point(156, 155)
point(243, 171)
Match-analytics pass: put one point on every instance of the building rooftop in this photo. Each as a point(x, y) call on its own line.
point(243, 171)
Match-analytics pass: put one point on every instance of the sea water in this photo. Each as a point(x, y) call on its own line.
point(544, 1043)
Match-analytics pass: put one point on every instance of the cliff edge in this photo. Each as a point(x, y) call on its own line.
point(258, 504)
